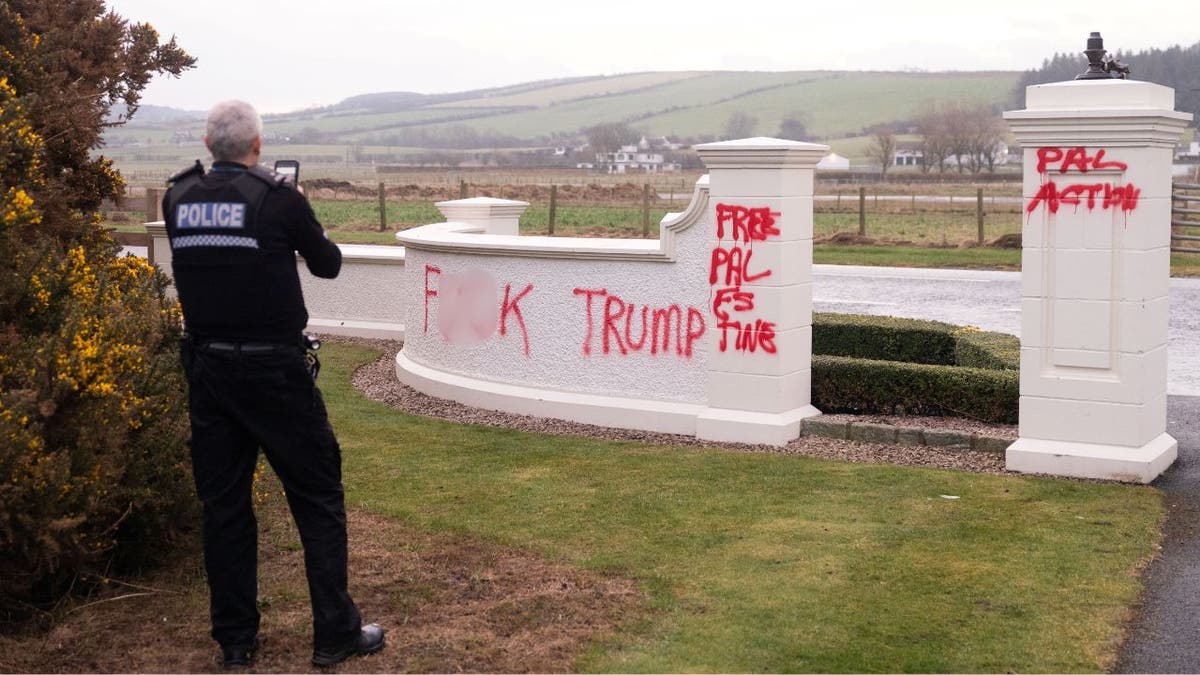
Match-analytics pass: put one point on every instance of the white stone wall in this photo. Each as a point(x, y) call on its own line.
point(567, 328)
point(552, 326)
point(550, 338)
point(362, 301)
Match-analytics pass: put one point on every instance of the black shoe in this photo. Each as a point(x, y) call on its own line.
point(238, 657)
point(369, 641)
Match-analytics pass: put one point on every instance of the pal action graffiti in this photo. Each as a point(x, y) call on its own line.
point(1105, 195)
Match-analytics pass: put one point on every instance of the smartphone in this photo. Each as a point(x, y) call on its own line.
point(289, 168)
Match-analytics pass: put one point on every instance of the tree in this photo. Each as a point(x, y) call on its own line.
point(93, 456)
point(740, 125)
point(1177, 67)
point(986, 136)
point(71, 63)
point(933, 141)
point(610, 136)
point(883, 148)
point(956, 130)
point(971, 134)
point(793, 127)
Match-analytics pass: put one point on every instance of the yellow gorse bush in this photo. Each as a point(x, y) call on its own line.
point(93, 428)
point(91, 410)
point(104, 358)
point(18, 205)
point(93, 423)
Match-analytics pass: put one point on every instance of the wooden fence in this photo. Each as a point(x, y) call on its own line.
point(1185, 218)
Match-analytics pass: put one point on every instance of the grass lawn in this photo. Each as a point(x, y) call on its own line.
point(360, 219)
point(916, 256)
point(363, 215)
point(930, 227)
point(771, 562)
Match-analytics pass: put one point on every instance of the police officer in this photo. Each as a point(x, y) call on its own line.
point(234, 234)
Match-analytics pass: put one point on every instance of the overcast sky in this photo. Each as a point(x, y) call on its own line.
point(286, 55)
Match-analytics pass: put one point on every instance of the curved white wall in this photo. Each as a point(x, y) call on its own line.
point(547, 336)
point(706, 331)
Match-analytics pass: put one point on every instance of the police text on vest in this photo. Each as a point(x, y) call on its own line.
point(211, 214)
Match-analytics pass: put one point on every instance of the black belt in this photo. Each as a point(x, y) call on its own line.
point(247, 347)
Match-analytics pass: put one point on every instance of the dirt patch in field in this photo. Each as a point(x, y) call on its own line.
point(846, 239)
point(1011, 240)
point(448, 603)
point(855, 239)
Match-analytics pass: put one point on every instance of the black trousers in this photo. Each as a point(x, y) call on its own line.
point(241, 402)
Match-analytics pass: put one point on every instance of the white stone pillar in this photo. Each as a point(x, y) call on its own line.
point(1095, 276)
point(759, 365)
point(493, 216)
point(160, 245)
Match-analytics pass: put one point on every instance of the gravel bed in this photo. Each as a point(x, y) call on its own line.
point(1008, 431)
point(378, 382)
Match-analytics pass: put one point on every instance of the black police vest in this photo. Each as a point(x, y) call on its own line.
point(234, 267)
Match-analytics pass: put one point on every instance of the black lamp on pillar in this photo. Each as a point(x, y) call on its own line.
point(1099, 67)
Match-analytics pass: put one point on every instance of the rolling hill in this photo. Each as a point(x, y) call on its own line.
point(691, 106)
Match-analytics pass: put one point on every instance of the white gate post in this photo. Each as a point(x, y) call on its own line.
point(759, 365)
point(1095, 273)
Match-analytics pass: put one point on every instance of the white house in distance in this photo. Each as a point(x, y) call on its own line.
point(640, 158)
point(907, 156)
point(630, 159)
point(833, 162)
point(910, 154)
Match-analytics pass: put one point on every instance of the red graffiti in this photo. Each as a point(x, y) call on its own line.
point(467, 306)
point(748, 336)
point(511, 305)
point(730, 267)
point(1075, 158)
point(1089, 195)
point(736, 262)
point(429, 293)
point(1109, 196)
point(746, 224)
point(663, 328)
point(741, 301)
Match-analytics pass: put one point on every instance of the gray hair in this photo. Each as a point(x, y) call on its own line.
point(232, 128)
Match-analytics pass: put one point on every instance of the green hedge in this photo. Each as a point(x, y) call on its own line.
point(847, 385)
point(888, 365)
point(983, 349)
point(886, 338)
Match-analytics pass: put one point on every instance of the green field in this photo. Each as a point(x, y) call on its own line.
point(554, 94)
point(840, 104)
point(833, 105)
